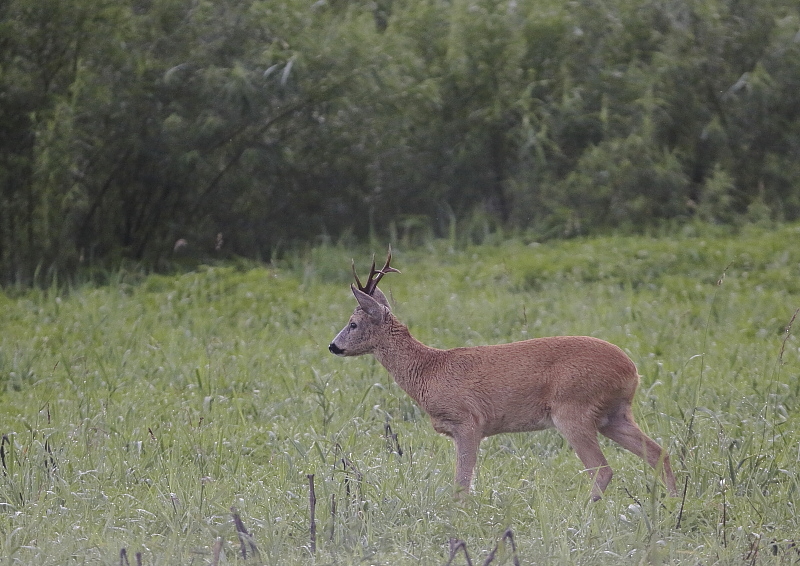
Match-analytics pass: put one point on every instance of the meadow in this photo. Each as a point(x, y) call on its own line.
point(153, 419)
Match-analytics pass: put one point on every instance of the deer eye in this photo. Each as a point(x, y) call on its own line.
point(353, 326)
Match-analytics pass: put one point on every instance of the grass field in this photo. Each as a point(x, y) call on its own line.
point(137, 414)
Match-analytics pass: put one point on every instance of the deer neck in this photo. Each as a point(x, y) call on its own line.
point(406, 359)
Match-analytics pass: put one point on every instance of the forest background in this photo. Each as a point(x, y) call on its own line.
point(247, 127)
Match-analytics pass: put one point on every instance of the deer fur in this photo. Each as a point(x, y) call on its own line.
point(578, 384)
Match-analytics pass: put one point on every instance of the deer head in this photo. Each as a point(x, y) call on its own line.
point(366, 326)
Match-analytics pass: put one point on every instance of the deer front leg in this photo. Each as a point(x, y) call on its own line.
point(467, 439)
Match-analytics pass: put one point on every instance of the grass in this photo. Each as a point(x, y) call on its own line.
point(136, 415)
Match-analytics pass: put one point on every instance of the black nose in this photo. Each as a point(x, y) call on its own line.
point(335, 349)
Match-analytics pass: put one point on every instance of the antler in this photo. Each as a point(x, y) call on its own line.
point(374, 275)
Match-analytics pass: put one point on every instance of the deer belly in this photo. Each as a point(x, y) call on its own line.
point(518, 423)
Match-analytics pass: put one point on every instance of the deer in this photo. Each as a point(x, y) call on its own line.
point(579, 385)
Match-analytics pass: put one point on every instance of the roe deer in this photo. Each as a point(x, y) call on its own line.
point(578, 384)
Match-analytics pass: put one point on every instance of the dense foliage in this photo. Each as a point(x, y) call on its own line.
point(127, 125)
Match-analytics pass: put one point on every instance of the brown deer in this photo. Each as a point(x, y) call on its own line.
point(578, 384)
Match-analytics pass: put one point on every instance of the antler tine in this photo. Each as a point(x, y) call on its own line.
point(386, 269)
point(358, 281)
point(372, 271)
point(369, 287)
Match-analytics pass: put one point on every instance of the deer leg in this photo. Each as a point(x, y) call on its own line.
point(583, 439)
point(623, 430)
point(466, 439)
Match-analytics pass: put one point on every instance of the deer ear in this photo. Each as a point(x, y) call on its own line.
point(370, 306)
point(378, 295)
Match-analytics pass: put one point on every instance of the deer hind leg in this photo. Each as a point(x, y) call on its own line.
point(623, 430)
point(582, 436)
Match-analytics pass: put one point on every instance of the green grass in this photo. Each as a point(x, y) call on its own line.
point(137, 414)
